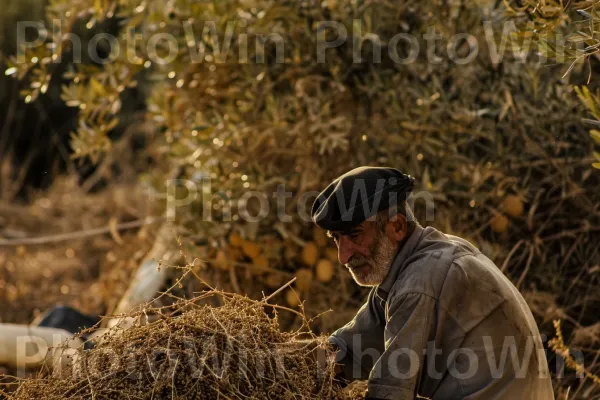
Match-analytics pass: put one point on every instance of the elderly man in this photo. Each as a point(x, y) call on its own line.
point(441, 320)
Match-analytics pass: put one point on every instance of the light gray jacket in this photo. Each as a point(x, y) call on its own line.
point(445, 324)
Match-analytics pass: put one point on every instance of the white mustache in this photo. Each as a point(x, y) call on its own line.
point(356, 262)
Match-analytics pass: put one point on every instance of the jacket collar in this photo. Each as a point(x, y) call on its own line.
point(403, 254)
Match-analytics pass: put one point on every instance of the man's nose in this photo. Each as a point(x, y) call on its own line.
point(345, 249)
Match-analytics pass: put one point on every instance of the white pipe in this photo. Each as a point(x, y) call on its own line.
point(148, 280)
point(26, 346)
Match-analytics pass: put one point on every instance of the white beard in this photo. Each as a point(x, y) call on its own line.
point(384, 251)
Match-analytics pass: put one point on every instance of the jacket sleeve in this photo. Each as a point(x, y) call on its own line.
point(410, 324)
point(360, 342)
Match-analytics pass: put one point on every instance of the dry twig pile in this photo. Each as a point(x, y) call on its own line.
point(196, 351)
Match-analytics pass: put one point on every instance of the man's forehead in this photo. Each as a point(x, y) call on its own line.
point(349, 230)
point(334, 234)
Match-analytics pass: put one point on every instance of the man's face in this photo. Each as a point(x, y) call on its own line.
point(367, 252)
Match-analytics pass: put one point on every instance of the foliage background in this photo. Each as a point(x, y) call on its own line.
point(473, 134)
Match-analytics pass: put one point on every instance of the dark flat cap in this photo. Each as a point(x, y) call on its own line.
point(358, 195)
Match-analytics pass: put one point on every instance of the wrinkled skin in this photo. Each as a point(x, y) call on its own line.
point(368, 251)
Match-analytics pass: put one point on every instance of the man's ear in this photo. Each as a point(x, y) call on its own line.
point(397, 228)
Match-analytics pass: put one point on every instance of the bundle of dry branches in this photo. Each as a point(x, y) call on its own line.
point(196, 351)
